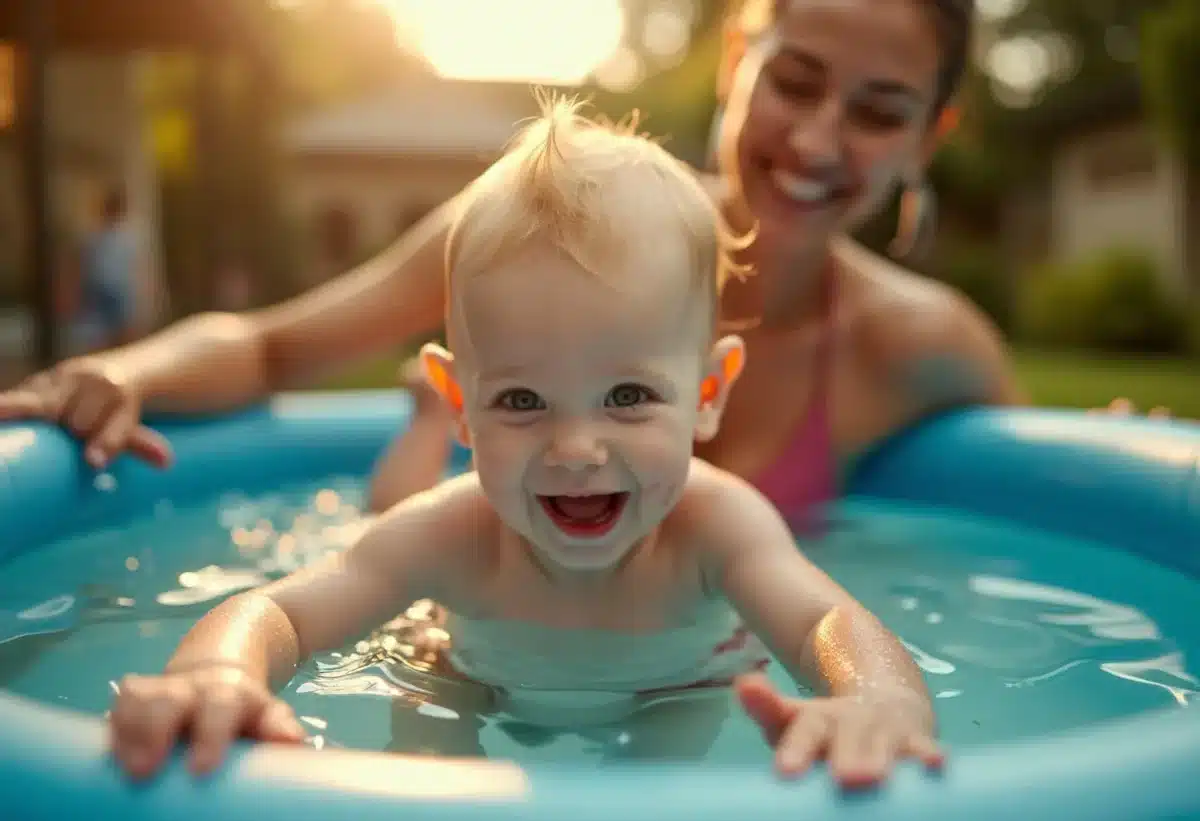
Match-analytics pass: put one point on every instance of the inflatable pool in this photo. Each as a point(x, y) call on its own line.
point(1129, 486)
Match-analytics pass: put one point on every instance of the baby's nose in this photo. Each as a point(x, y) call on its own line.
point(576, 447)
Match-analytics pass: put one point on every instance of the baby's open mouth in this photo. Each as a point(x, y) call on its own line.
point(585, 516)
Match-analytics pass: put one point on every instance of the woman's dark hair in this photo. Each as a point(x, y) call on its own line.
point(954, 20)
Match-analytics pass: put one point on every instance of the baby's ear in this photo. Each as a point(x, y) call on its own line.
point(725, 365)
point(437, 366)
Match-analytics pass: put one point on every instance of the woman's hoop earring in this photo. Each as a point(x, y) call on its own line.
point(918, 222)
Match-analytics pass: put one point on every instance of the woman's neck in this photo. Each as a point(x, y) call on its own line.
point(787, 287)
point(784, 292)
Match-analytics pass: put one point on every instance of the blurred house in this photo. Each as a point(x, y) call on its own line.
point(363, 172)
point(1113, 182)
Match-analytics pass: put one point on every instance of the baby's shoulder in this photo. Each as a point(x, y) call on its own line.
point(453, 512)
point(716, 507)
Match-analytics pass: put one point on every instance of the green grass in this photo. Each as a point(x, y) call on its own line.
point(1074, 380)
point(1081, 380)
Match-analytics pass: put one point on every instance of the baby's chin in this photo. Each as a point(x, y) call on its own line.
point(559, 553)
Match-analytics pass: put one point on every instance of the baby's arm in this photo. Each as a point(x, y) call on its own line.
point(271, 630)
point(819, 631)
point(218, 683)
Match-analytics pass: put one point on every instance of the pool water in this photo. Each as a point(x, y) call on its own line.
point(1019, 633)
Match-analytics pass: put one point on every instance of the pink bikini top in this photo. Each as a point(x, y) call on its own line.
point(804, 477)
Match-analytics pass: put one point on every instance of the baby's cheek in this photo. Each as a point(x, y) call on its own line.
point(669, 472)
point(666, 494)
point(497, 460)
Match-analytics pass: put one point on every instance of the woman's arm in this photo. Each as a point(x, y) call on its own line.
point(936, 351)
point(214, 362)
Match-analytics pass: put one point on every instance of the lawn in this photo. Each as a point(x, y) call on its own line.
point(1087, 380)
point(1056, 379)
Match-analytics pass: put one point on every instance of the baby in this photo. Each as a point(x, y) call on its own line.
point(588, 550)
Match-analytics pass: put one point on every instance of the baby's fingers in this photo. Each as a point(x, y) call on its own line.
point(803, 742)
point(862, 751)
point(222, 715)
point(278, 723)
point(145, 728)
point(763, 703)
point(923, 749)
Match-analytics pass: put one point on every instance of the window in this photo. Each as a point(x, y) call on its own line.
point(1121, 158)
point(339, 234)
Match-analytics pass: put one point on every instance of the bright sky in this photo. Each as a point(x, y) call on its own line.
point(558, 42)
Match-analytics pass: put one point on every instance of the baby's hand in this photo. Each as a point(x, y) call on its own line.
point(861, 740)
point(214, 704)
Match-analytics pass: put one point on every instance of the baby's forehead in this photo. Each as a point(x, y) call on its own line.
point(540, 305)
point(546, 287)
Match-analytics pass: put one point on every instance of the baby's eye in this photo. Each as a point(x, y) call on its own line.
point(628, 396)
point(521, 400)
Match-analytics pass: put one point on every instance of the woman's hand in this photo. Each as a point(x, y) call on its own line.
point(861, 739)
point(1124, 407)
point(93, 400)
point(214, 705)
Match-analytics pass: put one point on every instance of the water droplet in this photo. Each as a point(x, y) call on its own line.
point(327, 502)
point(105, 483)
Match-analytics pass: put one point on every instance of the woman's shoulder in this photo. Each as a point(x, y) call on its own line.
point(907, 321)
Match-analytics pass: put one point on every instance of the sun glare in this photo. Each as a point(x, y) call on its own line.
point(557, 42)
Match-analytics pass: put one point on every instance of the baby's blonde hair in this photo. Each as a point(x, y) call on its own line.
point(590, 189)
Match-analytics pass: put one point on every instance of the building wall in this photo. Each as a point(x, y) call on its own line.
point(381, 196)
point(1119, 186)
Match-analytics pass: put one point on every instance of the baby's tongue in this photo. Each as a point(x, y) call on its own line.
point(583, 507)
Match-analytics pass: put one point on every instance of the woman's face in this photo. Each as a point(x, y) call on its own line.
point(825, 113)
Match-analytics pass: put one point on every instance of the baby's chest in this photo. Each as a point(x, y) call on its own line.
point(651, 612)
point(654, 599)
point(613, 649)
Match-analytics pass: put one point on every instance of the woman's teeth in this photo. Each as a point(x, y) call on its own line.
point(801, 189)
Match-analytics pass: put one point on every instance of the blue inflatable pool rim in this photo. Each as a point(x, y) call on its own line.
point(1128, 484)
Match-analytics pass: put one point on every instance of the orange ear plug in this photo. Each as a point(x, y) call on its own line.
point(443, 384)
point(729, 370)
point(948, 121)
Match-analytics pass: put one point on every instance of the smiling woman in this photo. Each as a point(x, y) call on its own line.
point(535, 41)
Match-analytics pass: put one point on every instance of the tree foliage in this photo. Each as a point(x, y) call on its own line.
point(1170, 66)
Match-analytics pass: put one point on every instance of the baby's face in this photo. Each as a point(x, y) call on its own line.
point(581, 396)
